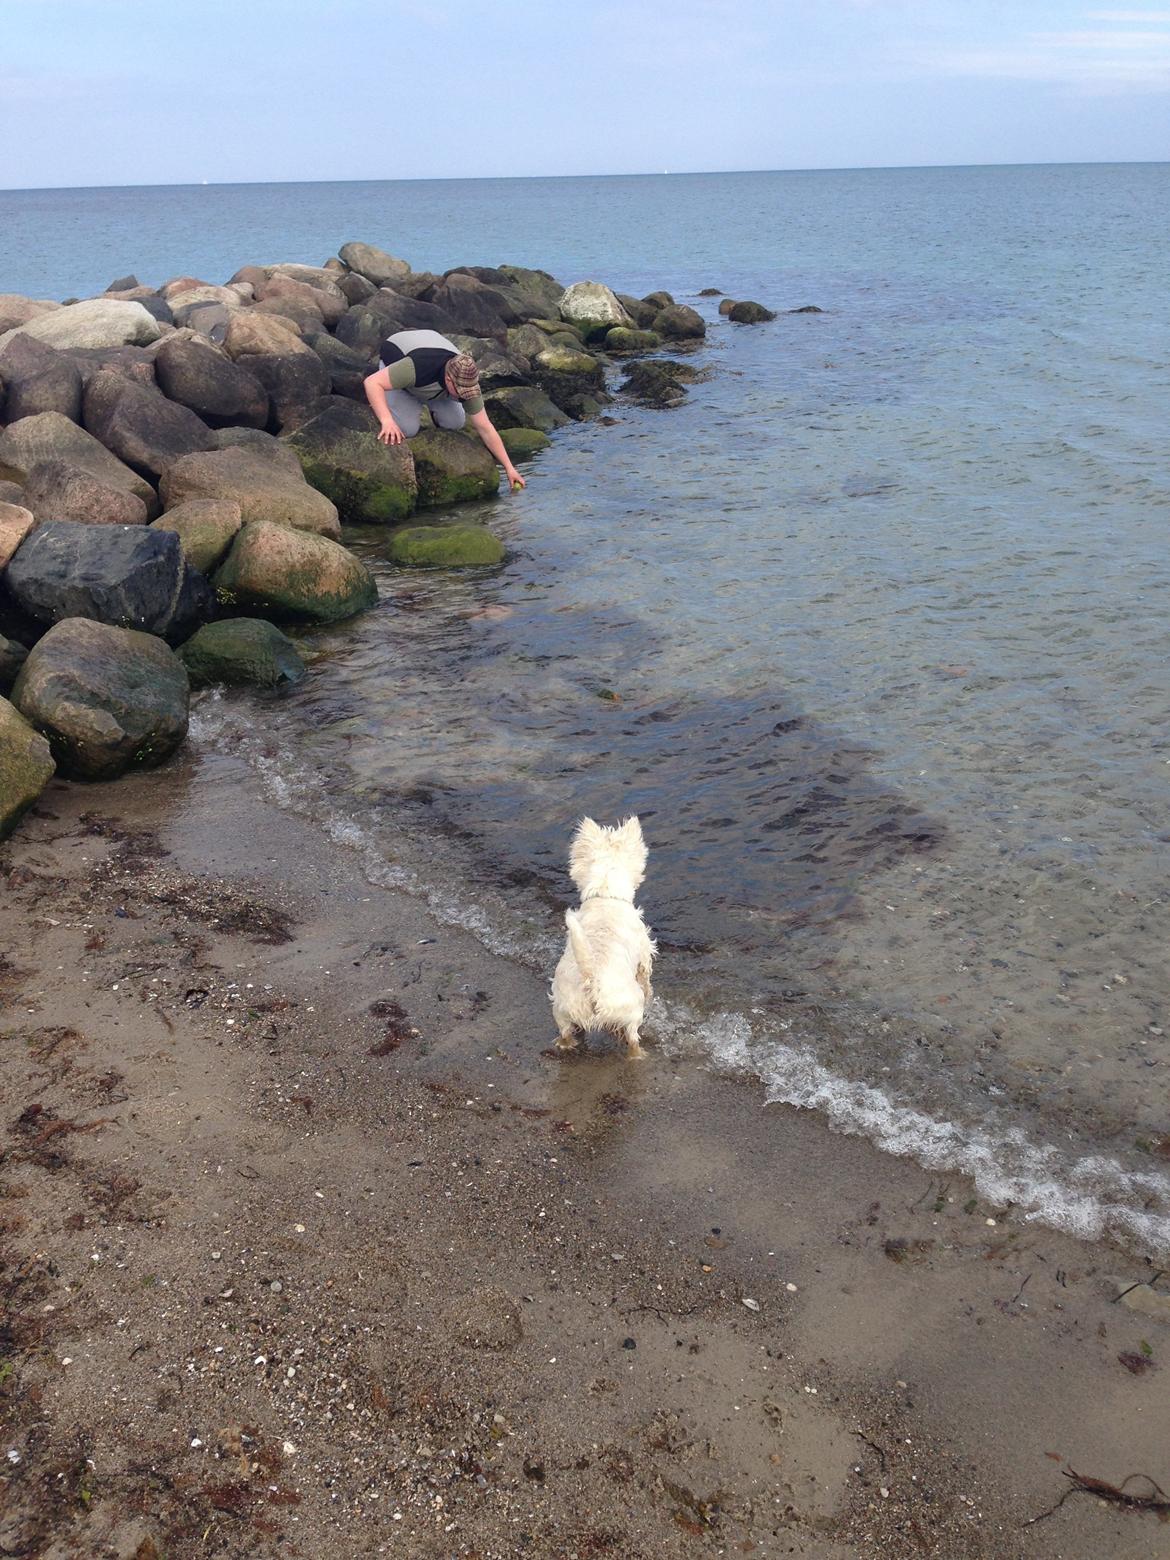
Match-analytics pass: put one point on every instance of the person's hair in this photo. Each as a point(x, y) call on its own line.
point(463, 376)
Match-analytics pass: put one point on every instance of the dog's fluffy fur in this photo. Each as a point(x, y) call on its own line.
point(603, 978)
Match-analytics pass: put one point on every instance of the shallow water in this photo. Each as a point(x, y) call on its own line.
point(884, 609)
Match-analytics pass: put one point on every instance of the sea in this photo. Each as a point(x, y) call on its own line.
point(873, 632)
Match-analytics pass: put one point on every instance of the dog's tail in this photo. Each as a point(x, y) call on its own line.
point(580, 946)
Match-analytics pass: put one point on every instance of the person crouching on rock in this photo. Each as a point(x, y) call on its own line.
point(420, 368)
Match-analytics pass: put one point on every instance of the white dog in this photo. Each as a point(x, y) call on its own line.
point(603, 978)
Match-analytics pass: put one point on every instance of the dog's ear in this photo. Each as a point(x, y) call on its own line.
point(631, 830)
point(588, 832)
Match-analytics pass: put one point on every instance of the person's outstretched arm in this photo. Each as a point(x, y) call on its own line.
point(376, 386)
point(494, 445)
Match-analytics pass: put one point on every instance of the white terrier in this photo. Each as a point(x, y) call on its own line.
point(603, 978)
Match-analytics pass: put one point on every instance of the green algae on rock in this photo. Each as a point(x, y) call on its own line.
point(239, 651)
point(444, 546)
point(293, 574)
point(451, 468)
point(26, 766)
point(341, 456)
point(523, 443)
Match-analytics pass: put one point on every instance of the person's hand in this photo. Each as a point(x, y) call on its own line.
point(390, 432)
point(515, 480)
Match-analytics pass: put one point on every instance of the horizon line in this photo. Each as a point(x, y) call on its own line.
point(682, 173)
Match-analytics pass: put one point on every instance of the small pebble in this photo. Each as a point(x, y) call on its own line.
point(752, 1305)
point(791, 1288)
point(276, 1286)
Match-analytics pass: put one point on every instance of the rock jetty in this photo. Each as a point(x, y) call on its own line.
point(177, 464)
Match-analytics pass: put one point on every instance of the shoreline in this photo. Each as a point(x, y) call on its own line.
point(535, 1265)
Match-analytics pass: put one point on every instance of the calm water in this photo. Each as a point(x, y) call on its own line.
point(885, 606)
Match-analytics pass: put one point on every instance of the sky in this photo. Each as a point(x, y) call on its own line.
point(122, 92)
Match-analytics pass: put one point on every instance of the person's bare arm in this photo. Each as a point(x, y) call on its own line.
point(494, 445)
point(376, 386)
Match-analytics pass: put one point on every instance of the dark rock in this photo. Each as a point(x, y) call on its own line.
point(808, 308)
point(373, 263)
point(727, 305)
point(291, 379)
point(129, 576)
point(26, 763)
point(158, 307)
point(642, 314)
point(654, 382)
point(451, 468)
point(544, 290)
point(356, 287)
point(108, 699)
point(340, 454)
point(410, 313)
point(572, 379)
point(38, 378)
point(363, 331)
point(347, 367)
point(221, 392)
point(291, 574)
point(472, 307)
point(49, 436)
point(660, 300)
point(524, 406)
point(12, 658)
point(11, 493)
point(748, 313)
point(56, 490)
point(133, 363)
point(140, 426)
point(265, 486)
point(208, 318)
point(710, 292)
point(523, 443)
point(679, 322)
point(124, 284)
point(240, 651)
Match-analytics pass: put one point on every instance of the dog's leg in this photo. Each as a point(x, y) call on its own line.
point(633, 1045)
point(567, 1040)
point(644, 980)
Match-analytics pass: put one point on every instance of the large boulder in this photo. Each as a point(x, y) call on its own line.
point(621, 340)
point(206, 528)
point(306, 316)
point(371, 483)
point(265, 488)
point(292, 380)
point(544, 291)
point(355, 288)
point(50, 436)
point(221, 392)
point(641, 312)
point(241, 651)
point(141, 426)
point(56, 490)
point(37, 378)
point(659, 300)
point(107, 698)
point(133, 363)
point(470, 306)
point(527, 339)
point(403, 312)
point(364, 329)
point(523, 406)
point(250, 334)
point(444, 547)
point(12, 657)
point(373, 263)
point(329, 301)
point(16, 522)
point(593, 308)
point(347, 367)
point(679, 322)
point(452, 468)
point(129, 576)
point(26, 765)
point(572, 379)
point(325, 278)
point(259, 443)
point(97, 322)
point(291, 574)
point(17, 310)
point(748, 313)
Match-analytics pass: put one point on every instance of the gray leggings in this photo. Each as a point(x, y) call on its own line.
point(407, 411)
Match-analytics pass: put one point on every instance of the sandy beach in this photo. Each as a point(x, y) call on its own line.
point(310, 1248)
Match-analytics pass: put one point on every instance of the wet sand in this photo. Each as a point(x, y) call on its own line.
point(309, 1248)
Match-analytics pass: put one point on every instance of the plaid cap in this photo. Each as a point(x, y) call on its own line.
point(463, 376)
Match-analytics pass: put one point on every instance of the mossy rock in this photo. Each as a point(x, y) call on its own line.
point(452, 468)
point(340, 454)
point(748, 313)
point(444, 546)
point(26, 767)
point(293, 574)
point(240, 651)
point(523, 443)
point(623, 339)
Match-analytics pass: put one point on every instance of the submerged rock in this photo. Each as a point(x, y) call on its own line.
point(654, 382)
point(341, 456)
point(241, 651)
point(126, 576)
point(26, 764)
point(523, 443)
point(206, 528)
point(748, 313)
point(50, 436)
point(264, 487)
point(276, 570)
point(444, 546)
point(108, 699)
point(680, 322)
point(451, 468)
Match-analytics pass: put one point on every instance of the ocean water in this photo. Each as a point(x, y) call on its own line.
point(872, 632)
